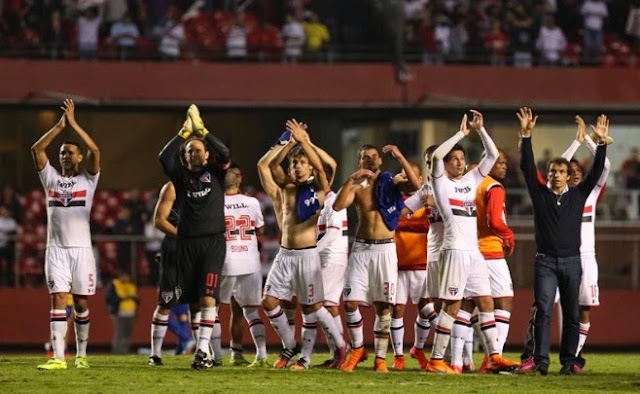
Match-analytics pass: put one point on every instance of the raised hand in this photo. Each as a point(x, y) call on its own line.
point(362, 173)
point(69, 109)
point(477, 122)
point(527, 121)
point(393, 149)
point(582, 129)
point(464, 126)
point(62, 123)
point(601, 130)
point(297, 129)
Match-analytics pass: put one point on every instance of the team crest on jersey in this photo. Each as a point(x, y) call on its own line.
point(346, 291)
point(205, 178)
point(51, 284)
point(166, 296)
point(469, 206)
point(453, 290)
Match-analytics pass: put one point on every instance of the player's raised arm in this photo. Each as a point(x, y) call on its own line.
point(527, 161)
point(169, 158)
point(163, 210)
point(266, 176)
point(93, 158)
point(39, 149)
point(347, 192)
point(412, 177)
point(437, 160)
point(328, 161)
point(302, 137)
point(486, 164)
point(217, 148)
point(275, 165)
point(580, 138)
point(601, 133)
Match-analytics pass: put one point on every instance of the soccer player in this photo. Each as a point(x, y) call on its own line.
point(296, 269)
point(496, 240)
point(429, 304)
point(241, 275)
point(70, 265)
point(558, 211)
point(372, 273)
point(333, 246)
point(463, 271)
point(165, 219)
point(195, 161)
point(411, 242)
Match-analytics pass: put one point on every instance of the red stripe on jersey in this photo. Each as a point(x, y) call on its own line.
point(345, 224)
point(588, 209)
point(322, 227)
point(79, 193)
point(456, 203)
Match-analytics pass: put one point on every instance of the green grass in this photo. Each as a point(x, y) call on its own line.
point(108, 374)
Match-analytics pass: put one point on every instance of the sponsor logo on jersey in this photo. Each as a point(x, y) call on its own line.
point(463, 190)
point(199, 194)
point(66, 184)
point(205, 178)
point(51, 284)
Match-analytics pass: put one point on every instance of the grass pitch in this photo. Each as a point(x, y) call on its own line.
point(123, 374)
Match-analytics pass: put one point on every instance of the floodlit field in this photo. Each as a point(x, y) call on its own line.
point(108, 374)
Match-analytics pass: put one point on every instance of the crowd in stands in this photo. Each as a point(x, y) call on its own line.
point(498, 32)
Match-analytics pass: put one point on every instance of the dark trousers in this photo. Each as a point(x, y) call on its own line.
point(565, 274)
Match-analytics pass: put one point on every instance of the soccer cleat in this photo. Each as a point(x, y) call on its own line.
point(285, 356)
point(356, 356)
point(439, 366)
point(418, 354)
point(339, 358)
point(300, 365)
point(468, 367)
point(198, 124)
point(262, 363)
point(485, 364)
point(398, 363)
point(497, 363)
point(216, 363)
point(571, 369)
point(380, 365)
point(81, 362)
point(238, 360)
point(53, 364)
point(155, 361)
point(457, 369)
point(201, 360)
point(326, 364)
point(529, 367)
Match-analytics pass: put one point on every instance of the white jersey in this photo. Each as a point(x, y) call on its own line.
point(337, 219)
point(455, 198)
point(242, 216)
point(69, 202)
point(435, 237)
point(588, 228)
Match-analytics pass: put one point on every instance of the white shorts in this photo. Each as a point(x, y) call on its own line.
point(410, 286)
point(589, 291)
point(500, 278)
point(70, 270)
point(372, 273)
point(296, 272)
point(246, 289)
point(333, 276)
point(431, 287)
point(463, 274)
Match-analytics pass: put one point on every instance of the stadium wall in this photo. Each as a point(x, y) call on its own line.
point(31, 326)
point(233, 84)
